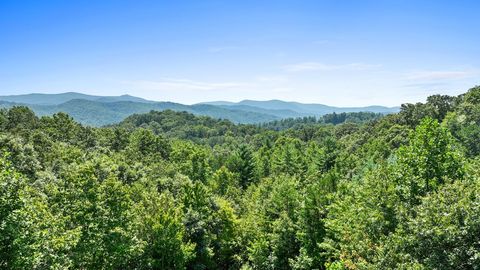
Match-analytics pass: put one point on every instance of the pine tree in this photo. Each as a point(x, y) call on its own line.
point(246, 166)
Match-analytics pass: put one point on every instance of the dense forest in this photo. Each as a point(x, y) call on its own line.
point(106, 110)
point(170, 190)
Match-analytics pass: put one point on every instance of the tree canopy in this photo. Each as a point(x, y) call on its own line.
point(170, 190)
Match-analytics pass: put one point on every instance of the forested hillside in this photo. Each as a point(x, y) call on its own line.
point(57, 99)
point(286, 108)
point(106, 110)
point(170, 190)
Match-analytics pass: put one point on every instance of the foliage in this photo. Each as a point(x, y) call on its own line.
point(171, 190)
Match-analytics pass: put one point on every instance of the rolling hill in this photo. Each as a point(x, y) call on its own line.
point(99, 113)
point(56, 99)
point(284, 109)
point(104, 110)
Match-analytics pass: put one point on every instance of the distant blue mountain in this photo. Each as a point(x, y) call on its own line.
point(104, 110)
point(55, 99)
point(282, 113)
point(295, 109)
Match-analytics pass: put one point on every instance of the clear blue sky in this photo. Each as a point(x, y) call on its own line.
point(334, 52)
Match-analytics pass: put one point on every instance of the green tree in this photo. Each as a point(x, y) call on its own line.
point(81, 221)
point(61, 127)
point(362, 216)
point(158, 224)
point(225, 183)
point(444, 234)
point(21, 119)
point(192, 160)
point(427, 162)
point(288, 157)
point(143, 143)
point(311, 223)
point(270, 223)
point(246, 166)
point(11, 185)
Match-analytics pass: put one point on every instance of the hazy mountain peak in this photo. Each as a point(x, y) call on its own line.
point(302, 109)
point(100, 110)
point(56, 99)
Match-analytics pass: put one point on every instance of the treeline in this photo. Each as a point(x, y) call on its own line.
point(168, 190)
point(331, 118)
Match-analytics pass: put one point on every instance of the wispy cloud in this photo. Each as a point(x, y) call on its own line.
point(272, 79)
point(435, 79)
point(426, 85)
point(181, 84)
point(440, 75)
point(282, 90)
point(312, 66)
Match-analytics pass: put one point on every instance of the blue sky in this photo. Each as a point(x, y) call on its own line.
point(338, 52)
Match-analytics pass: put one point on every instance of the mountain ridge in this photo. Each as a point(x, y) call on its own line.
point(97, 113)
point(59, 98)
point(104, 110)
point(303, 108)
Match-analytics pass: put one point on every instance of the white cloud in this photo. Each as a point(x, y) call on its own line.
point(426, 84)
point(440, 75)
point(282, 90)
point(272, 79)
point(311, 66)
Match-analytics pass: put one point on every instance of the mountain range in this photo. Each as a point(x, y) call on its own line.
point(286, 109)
point(103, 110)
